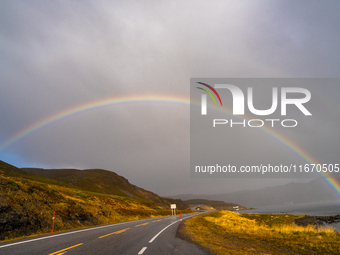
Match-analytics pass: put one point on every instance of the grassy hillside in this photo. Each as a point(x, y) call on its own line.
point(218, 205)
point(99, 181)
point(225, 232)
point(27, 203)
point(9, 170)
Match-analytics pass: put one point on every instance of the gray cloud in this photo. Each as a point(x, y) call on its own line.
point(57, 55)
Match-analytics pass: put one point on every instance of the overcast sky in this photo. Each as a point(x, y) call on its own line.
point(55, 55)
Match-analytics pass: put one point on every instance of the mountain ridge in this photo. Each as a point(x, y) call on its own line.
point(314, 191)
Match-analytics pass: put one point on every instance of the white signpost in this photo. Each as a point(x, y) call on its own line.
point(173, 209)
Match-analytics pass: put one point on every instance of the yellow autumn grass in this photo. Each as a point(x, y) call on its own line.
point(227, 232)
point(237, 224)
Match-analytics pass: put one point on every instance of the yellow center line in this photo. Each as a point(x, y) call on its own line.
point(114, 233)
point(142, 224)
point(65, 249)
point(156, 220)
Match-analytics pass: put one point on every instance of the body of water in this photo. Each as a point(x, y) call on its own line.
point(324, 208)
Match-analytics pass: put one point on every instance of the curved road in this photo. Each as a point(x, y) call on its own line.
point(149, 236)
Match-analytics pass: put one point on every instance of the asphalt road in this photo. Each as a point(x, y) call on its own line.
point(149, 236)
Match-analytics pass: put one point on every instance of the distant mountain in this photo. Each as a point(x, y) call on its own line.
point(218, 205)
point(179, 203)
point(313, 191)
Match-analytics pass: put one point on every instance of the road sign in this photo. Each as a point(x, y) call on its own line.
point(173, 209)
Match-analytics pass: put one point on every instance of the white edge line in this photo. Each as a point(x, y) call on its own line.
point(73, 232)
point(142, 250)
point(165, 229)
point(63, 234)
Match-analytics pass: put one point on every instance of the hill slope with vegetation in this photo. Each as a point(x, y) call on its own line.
point(27, 202)
point(99, 181)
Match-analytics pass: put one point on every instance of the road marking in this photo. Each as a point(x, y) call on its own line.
point(114, 233)
point(156, 220)
point(142, 224)
point(68, 233)
point(65, 249)
point(164, 229)
point(142, 250)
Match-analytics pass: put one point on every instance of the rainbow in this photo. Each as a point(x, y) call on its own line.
point(108, 102)
point(302, 154)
